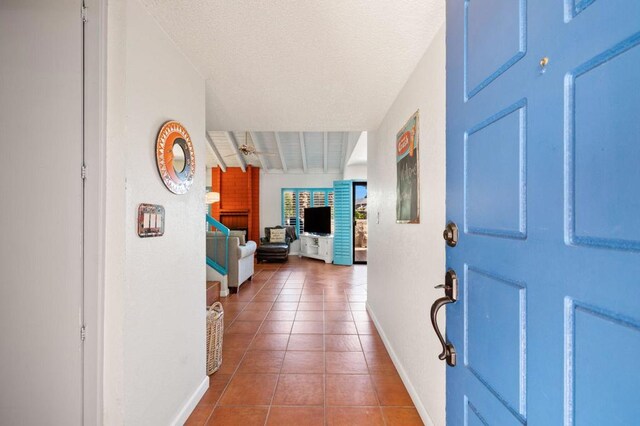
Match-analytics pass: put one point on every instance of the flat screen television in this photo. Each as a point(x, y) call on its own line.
point(317, 220)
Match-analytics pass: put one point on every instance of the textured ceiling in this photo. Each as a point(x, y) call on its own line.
point(329, 65)
point(283, 152)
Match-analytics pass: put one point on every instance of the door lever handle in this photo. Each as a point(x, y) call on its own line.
point(451, 295)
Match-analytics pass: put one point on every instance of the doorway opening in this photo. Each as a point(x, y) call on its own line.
point(360, 225)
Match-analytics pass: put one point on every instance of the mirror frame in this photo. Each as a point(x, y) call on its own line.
point(170, 132)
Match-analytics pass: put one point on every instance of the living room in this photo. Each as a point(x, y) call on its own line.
point(263, 180)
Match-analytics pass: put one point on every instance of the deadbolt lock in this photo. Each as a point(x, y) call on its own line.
point(450, 234)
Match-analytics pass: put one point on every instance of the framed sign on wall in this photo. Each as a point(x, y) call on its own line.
point(408, 185)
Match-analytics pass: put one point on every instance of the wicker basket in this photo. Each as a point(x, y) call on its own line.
point(215, 330)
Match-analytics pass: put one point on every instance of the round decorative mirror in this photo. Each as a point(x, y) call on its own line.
point(175, 157)
point(178, 156)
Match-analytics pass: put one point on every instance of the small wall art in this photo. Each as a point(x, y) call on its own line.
point(408, 185)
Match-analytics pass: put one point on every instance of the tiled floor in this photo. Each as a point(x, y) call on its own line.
point(300, 349)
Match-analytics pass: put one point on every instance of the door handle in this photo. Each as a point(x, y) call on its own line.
point(451, 295)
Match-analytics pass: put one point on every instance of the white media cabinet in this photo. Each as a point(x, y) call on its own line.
point(317, 246)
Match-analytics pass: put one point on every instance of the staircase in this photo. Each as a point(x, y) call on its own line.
point(217, 256)
point(213, 292)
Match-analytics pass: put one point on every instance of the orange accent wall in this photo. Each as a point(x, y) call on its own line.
point(239, 205)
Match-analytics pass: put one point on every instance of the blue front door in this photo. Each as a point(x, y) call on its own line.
point(543, 180)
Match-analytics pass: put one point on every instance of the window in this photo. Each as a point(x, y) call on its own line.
point(295, 200)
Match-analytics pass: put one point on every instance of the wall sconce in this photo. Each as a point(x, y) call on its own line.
point(212, 197)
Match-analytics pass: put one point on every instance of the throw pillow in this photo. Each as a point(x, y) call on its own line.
point(277, 236)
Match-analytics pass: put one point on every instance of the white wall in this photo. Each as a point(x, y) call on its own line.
point(355, 172)
point(271, 185)
point(407, 261)
point(155, 287)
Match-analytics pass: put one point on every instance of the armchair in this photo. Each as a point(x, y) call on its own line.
point(268, 251)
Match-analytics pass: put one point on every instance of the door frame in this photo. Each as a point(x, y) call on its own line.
point(94, 141)
point(353, 225)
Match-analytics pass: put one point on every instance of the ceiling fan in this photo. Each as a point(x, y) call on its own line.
point(247, 150)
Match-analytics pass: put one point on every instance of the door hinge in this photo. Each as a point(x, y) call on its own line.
point(83, 333)
point(84, 13)
point(83, 172)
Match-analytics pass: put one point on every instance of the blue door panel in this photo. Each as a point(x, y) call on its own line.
point(603, 152)
point(343, 219)
point(593, 367)
point(495, 336)
point(543, 179)
point(500, 213)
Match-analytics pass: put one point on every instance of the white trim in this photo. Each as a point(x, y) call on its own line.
point(95, 124)
point(403, 374)
point(190, 403)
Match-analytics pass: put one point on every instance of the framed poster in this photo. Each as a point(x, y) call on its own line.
point(407, 185)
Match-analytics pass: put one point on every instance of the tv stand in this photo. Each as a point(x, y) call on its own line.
point(317, 246)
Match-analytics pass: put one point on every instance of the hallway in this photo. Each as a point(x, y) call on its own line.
point(300, 349)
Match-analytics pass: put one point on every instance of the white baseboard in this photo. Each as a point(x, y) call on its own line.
point(424, 415)
point(191, 403)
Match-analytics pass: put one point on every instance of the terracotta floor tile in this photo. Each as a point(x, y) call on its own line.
point(310, 316)
point(342, 343)
point(285, 306)
point(238, 416)
point(298, 298)
point(401, 416)
point(310, 306)
point(311, 297)
point(336, 306)
point(366, 327)
point(244, 327)
point(230, 360)
point(261, 362)
point(350, 390)
point(361, 316)
point(294, 284)
point(340, 327)
point(269, 342)
point(391, 390)
point(346, 363)
point(276, 327)
point(258, 306)
point(265, 297)
point(270, 290)
point(313, 292)
point(250, 389)
point(300, 389)
point(354, 416)
point(291, 291)
point(217, 384)
point(200, 415)
point(379, 362)
point(371, 343)
point(338, 316)
point(237, 341)
point(358, 306)
point(308, 327)
point(251, 315)
point(296, 416)
point(303, 362)
point(281, 316)
point(288, 298)
point(305, 342)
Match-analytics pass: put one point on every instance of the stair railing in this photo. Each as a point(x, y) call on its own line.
point(213, 262)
